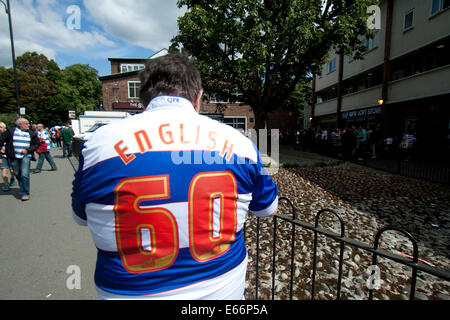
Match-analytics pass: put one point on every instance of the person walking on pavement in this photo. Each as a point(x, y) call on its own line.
point(5, 165)
point(66, 138)
point(361, 143)
point(21, 142)
point(164, 228)
point(44, 150)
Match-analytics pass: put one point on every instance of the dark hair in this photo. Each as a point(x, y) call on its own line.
point(172, 74)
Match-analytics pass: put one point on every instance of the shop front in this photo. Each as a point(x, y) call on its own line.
point(367, 118)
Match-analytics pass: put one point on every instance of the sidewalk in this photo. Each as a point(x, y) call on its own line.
point(39, 239)
point(289, 155)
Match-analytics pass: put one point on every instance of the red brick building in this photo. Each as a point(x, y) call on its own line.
point(121, 88)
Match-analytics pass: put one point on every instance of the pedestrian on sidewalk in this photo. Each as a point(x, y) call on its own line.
point(44, 149)
point(5, 166)
point(66, 138)
point(58, 137)
point(349, 143)
point(166, 229)
point(361, 146)
point(21, 142)
point(53, 138)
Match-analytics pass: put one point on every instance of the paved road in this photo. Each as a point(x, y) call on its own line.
point(39, 240)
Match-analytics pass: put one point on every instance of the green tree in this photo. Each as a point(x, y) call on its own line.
point(78, 88)
point(46, 91)
point(265, 48)
point(34, 85)
point(83, 87)
point(7, 98)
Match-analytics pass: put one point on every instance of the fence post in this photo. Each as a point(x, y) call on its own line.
point(341, 221)
point(415, 256)
point(294, 216)
point(274, 249)
point(257, 259)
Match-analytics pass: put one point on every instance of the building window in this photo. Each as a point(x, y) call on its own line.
point(235, 98)
point(435, 6)
point(445, 4)
point(409, 20)
point(133, 89)
point(235, 122)
point(368, 44)
point(438, 5)
point(331, 65)
point(127, 67)
point(372, 43)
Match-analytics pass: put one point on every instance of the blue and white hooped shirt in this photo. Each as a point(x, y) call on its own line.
point(165, 194)
point(45, 137)
point(21, 141)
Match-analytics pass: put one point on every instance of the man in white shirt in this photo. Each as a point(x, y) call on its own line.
point(165, 194)
point(21, 142)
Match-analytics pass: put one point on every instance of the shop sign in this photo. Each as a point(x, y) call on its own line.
point(128, 105)
point(361, 113)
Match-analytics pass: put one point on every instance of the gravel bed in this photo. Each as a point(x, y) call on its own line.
point(367, 200)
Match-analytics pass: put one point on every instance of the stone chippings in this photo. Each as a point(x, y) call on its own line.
point(367, 200)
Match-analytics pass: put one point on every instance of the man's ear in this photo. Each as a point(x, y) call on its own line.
point(198, 100)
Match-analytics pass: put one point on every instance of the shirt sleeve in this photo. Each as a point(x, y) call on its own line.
point(78, 206)
point(265, 193)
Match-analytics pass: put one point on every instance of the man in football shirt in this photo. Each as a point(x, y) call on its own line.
point(165, 194)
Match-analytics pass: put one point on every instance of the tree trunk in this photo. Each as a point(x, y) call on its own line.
point(260, 118)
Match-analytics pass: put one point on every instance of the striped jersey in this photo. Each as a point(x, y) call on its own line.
point(21, 141)
point(43, 135)
point(165, 194)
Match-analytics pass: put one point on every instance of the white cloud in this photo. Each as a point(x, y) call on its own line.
point(107, 28)
point(149, 24)
point(42, 27)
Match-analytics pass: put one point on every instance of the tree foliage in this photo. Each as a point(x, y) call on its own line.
point(266, 49)
point(46, 91)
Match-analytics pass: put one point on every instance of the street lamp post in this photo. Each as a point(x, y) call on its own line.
point(8, 11)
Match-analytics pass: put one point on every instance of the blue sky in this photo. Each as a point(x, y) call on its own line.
point(88, 31)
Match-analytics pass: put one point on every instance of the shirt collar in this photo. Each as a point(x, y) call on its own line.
point(20, 130)
point(167, 101)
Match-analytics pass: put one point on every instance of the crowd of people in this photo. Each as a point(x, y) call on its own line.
point(19, 145)
point(353, 143)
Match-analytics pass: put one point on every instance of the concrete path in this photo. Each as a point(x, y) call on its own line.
point(289, 155)
point(39, 241)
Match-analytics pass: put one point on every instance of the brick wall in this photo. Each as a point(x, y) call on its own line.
point(232, 110)
point(115, 67)
point(112, 94)
point(285, 120)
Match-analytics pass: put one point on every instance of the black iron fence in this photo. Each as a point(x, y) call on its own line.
point(307, 286)
point(77, 144)
point(427, 169)
point(423, 163)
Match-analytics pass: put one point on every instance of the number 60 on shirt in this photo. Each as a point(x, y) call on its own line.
point(147, 238)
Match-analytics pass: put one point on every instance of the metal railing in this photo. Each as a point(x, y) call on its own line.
point(77, 145)
point(412, 262)
point(432, 170)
